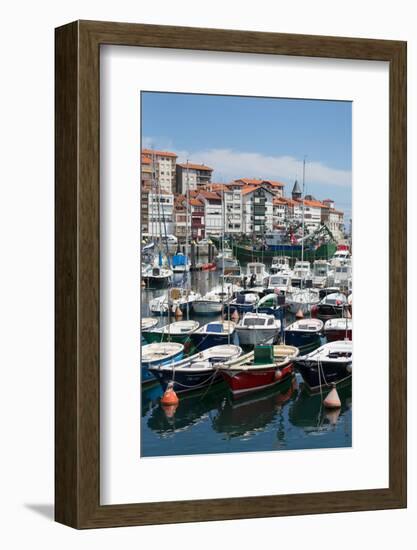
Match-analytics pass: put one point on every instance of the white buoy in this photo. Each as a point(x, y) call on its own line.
point(332, 400)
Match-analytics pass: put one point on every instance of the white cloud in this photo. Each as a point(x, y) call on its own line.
point(229, 164)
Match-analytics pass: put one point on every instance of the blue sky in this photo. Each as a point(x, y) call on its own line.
point(257, 137)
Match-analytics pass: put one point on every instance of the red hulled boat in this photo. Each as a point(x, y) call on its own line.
point(262, 368)
point(338, 329)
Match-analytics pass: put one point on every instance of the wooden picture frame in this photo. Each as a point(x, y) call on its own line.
point(77, 405)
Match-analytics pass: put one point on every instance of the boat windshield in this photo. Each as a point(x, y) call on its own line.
point(254, 322)
point(278, 280)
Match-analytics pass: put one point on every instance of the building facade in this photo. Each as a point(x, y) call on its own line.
point(196, 176)
point(257, 210)
point(213, 212)
point(163, 165)
point(158, 210)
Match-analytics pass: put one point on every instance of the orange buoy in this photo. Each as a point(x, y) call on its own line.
point(299, 314)
point(332, 401)
point(235, 315)
point(178, 313)
point(170, 397)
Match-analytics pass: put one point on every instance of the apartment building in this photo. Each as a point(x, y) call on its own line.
point(196, 176)
point(257, 210)
point(163, 165)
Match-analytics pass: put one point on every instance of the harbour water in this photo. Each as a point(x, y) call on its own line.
point(285, 417)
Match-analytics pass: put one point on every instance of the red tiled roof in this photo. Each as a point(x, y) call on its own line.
point(145, 159)
point(257, 181)
point(279, 200)
point(247, 190)
point(158, 153)
point(209, 195)
point(316, 204)
point(196, 166)
point(195, 202)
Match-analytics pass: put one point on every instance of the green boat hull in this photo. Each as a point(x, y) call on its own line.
point(247, 253)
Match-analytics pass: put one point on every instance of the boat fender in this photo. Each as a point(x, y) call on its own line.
point(170, 397)
point(278, 374)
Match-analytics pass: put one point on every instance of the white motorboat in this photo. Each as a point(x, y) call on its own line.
point(279, 283)
point(196, 372)
point(148, 323)
point(214, 334)
point(302, 299)
point(280, 264)
point(340, 257)
point(226, 260)
point(322, 274)
point(212, 302)
point(256, 272)
point(331, 363)
point(179, 331)
point(257, 328)
point(343, 275)
point(176, 298)
point(155, 276)
point(300, 273)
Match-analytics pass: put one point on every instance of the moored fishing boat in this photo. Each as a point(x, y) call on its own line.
point(213, 301)
point(330, 363)
point(226, 260)
point(180, 263)
point(148, 323)
point(302, 299)
point(158, 354)
point(322, 274)
point(256, 273)
point(257, 328)
point(245, 301)
point(197, 371)
point(304, 334)
point(179, 331)
point(259, 369)
point(213, 334)
point(156, 276)
point(177, 298)
point(300, 274)
point(280, 264)
point(332, 305)
point(338, 329)
point(280, 282)
point(272, 304)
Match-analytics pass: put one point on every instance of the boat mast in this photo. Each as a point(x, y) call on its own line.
point(187, 204)
point(303, 198)
point(303, 206)
point(223, 232)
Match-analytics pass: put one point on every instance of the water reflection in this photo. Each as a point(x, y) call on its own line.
point(307, 411)
point(253, 413)
point(190, 410)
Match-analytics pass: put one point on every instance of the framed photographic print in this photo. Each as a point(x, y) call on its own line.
point(221, 196)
